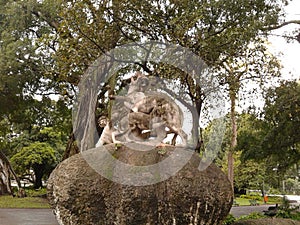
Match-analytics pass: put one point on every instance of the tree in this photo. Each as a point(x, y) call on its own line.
point(42, 120)
point(6, 172)
point(210, 29)
point(282, 110)
point(68, 35)
point(273, 139)
point(23, 63)
point(39, 121)
point(251, 63)
point(251, 172)
point(39, 157)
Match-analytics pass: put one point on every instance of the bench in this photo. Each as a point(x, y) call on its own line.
point(253, 202)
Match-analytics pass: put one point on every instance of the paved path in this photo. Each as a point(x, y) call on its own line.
point(238, 211)
point(27, 217)
point(46, 217)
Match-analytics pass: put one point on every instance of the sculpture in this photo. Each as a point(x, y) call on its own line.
point(141, 115)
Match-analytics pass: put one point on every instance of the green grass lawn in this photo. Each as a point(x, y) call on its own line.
point(34, 200)
point(245, 201)
point(27, 202)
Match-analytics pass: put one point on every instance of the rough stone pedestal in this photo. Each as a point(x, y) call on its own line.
point(79, 195)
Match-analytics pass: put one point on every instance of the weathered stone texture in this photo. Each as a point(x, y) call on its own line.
point(79, 195)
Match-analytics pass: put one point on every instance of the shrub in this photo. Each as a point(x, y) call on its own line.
point(230, 219)
point(251, 197)
point(254, 215)
point(288, 211)
point(243, 196)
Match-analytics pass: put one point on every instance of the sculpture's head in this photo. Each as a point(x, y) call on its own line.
point(139, 82)
point(103, 121)
point(143, 82)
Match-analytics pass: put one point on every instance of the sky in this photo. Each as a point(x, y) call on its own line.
point(290, 57)
point(288, 53)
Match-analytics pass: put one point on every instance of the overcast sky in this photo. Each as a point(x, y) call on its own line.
point(288, 53)
point(291, 51)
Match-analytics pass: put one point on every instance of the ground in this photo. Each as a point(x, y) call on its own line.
point(27, 217)
point(46, 217)
point(246, 210)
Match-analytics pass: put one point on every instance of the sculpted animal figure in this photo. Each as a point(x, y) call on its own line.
point(107, 133)
point(137, 87)
point(163, 110)
point(143, 127)
point(117, 129)
point(123, 104)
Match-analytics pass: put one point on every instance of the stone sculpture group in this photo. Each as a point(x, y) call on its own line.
point(79, 194)
point(142, 116)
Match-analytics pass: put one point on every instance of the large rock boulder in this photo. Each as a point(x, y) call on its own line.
point(80, 195)
point(268, 221)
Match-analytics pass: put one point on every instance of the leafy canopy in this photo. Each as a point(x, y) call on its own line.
point(36, 153)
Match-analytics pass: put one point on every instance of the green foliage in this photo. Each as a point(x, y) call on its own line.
point(214, 30)
point(282, 112)
point(230, 219)
point(274, 199)
point(39, 121)
point(250, 174)
point(292, 185)
point(274, 140)
point(245, 201)
point(288, 214)
point(254, 215)
point(22, 61)
point(251, 197)
point(207, 28)
point(288, 211)
point(37, 153)
point(24, 64)
point(31, 192)
point(251, 132)
point(39, 157)
point(206, 135)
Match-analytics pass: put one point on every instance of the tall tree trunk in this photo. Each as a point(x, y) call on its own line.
point(71, 148)
point(5, 185)
point(233, 141)
point(38, 172)
point(197, 132)
point(6, 171)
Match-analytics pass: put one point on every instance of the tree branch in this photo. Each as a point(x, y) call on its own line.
point(281, 25)
point(51, 23)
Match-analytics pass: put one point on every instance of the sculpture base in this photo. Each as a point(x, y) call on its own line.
point(79, 195)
